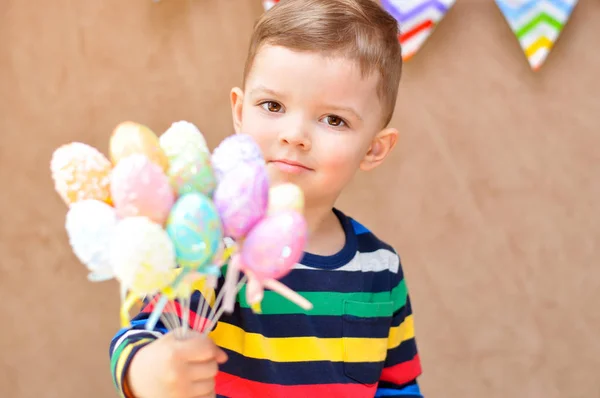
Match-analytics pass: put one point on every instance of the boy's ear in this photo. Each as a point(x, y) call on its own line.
point(380, 147)
point(237, 102)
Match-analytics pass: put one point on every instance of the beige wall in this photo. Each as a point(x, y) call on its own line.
point(491, 197)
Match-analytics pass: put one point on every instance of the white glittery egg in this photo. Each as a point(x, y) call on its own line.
point(90, 225)
point(180, 136)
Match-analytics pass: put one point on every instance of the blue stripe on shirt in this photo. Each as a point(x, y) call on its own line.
point(412, 390)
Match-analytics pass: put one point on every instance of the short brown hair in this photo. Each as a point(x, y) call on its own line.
point(357, 29)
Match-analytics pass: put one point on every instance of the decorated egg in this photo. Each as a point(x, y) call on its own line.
point(140, 188)
point(90, 225)
point(195, 229)
point(284, 197)
point(130, 138)
point(235, 150)
point(241, 199)
point(142, 255)
point(275, 244)
point(180, 136)
point(191, 171)
point(80, 172)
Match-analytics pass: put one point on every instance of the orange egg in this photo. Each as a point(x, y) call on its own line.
point(130, 138)
point(80, 172)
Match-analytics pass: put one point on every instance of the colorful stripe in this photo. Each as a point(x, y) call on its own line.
point(229, 385)
point(412, 390)
point(515, 9)
point(537, 24)
point(310, 348)
point(403, 372)
point(334, 303)
point(121, 358)
point(417, 20)
point(360, 332)
point(407, 35)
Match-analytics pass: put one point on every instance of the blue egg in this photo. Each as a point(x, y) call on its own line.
point(195, 229)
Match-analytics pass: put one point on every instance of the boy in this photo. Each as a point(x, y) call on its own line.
point(320, 86)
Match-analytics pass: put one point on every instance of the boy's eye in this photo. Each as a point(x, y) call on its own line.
point(271, 106)
point(335, 121)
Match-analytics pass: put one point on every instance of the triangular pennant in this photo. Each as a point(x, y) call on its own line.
point(537, 24)
point(269, 3)
point(417, 20)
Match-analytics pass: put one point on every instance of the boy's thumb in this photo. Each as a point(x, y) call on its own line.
point(220, 356)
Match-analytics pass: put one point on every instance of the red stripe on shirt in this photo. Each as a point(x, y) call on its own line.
point(403, 372)
point(234, 386)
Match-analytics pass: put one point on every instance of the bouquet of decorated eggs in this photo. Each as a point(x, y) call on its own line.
point(163, 215)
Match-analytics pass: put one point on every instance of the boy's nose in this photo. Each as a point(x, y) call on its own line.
point(296, 136)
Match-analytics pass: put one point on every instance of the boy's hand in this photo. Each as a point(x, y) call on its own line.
point(172, 368)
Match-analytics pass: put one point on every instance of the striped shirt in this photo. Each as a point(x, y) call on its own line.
point(357, 341)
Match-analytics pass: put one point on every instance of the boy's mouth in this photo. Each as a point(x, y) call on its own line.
point(290, 166)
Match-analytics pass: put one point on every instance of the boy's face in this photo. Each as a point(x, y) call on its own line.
point(316, 119)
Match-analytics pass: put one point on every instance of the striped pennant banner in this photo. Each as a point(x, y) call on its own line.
point(537, 24)
point(269, 3)
point(417, 20)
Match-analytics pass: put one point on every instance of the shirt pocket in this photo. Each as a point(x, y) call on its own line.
point(365, 330)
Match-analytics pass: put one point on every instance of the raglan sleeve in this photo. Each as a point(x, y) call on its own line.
point(128, 341)
point(402, 365)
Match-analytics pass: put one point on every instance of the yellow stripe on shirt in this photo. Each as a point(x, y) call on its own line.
point(125, 355)
point(403, 332)
point(300, 349)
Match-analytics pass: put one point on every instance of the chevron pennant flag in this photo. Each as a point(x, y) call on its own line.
point(537, 24)
point(269, 3)
point(417, 19)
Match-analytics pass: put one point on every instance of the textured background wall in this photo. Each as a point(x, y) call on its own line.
point(489, 197)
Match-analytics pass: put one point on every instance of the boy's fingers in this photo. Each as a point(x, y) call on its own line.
point(203, 389)
point(201, 349)
point(200, 371)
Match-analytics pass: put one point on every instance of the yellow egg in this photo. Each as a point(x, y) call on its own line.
point(142, 255)
point(80, 172)
point(285, 197)
point(130, 138)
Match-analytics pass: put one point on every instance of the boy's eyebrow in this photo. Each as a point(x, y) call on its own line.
point(344, 109)
point(266, 90)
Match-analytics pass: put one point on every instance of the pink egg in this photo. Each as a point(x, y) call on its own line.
point(234, 151)
point(139, 187)
point(275, 244)
point(241, 198)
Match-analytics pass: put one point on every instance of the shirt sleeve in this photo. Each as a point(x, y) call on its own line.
point(402, 365)
point(128, 341)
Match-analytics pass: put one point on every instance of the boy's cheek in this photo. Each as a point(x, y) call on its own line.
point(254, 127)
point(340, 156)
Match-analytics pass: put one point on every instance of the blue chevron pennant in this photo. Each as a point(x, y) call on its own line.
point(537, 24)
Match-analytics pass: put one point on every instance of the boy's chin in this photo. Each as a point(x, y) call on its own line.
point(277, 178)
